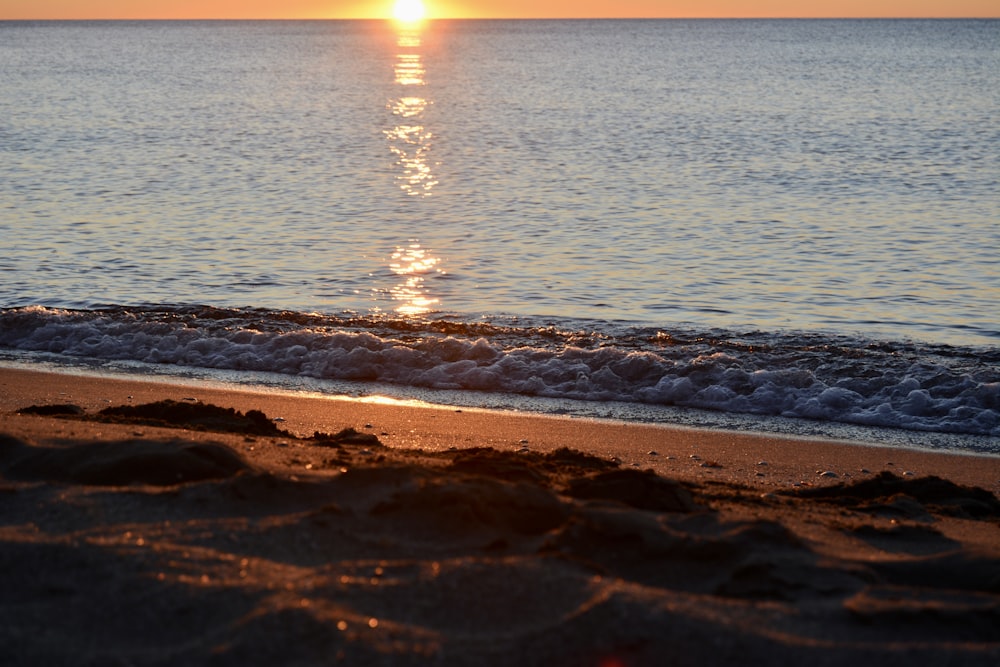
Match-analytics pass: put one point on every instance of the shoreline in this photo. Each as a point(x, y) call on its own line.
point(612, 412)
point(790, 460)
point(453, 537)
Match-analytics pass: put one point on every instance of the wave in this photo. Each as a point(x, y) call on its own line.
point(850, 380)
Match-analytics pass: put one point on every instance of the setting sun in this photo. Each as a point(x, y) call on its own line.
point(409, 10)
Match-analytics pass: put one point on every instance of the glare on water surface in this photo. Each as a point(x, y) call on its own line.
point(412, 263)
point(409, 139)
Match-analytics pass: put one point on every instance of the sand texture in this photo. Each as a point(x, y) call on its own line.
point(153, 524)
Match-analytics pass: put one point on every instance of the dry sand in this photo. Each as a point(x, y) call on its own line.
point(193, 532)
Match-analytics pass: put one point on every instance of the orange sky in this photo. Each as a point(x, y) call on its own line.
point(164, 9)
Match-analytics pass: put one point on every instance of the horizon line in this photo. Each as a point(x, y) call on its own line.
point(529, 18)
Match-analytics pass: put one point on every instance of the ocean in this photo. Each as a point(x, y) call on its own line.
point(784, 226)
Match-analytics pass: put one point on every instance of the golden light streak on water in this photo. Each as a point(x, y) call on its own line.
point(409, 139)
point(412, 263)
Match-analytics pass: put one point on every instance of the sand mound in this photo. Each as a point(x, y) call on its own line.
point(139, 461)
point(642, 490)
point(889, 493)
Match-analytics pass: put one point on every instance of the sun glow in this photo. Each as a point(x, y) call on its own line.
point(409, 11)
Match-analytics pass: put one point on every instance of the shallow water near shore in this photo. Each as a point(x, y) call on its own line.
point(768, 220)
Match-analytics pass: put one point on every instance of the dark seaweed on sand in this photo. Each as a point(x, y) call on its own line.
point(196, 416)
point(887, 491)
point(55, 410)
point(200, 417)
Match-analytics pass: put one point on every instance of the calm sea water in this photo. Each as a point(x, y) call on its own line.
point(781, 218)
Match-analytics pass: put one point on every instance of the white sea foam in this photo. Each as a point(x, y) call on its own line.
point(857, 382)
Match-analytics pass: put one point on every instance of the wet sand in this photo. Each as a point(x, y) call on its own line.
point(194, 525)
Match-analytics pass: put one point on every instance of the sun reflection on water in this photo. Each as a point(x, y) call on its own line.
point(409, 139)
point(409, 68)
point(413, 263)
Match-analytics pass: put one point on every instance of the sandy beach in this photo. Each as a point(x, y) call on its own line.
point(147, 523)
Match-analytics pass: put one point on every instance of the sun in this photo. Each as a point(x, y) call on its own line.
point(409, 10)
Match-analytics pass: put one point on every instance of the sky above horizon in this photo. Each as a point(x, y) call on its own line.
point(321, 9)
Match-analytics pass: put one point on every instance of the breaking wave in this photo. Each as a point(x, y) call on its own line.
point(841, 379)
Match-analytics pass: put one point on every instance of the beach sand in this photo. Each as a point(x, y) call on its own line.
point(184, 527)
